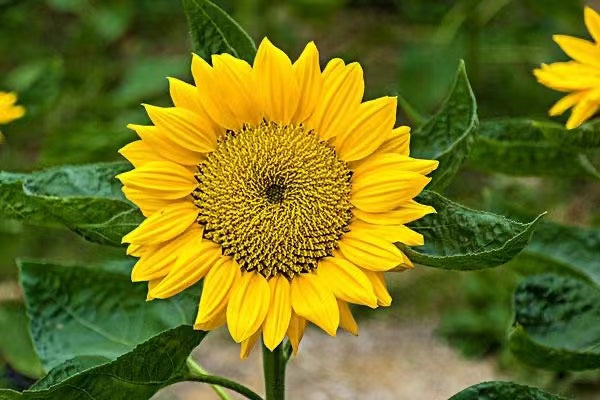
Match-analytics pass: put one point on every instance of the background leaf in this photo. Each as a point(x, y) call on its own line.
point(213, 31)
point(523, 147)
point(448, 135)
point(464, 239)
point(499, 390)
point(86, 199)
point(136, 375)
point(15, 343)
point(556, 323)
point(77, 311)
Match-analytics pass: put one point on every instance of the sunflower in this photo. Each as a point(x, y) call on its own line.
point(580, 77)
point(8, 110)
point(280, 188)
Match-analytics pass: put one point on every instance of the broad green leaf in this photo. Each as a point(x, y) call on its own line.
point(15, 343)
point(86, 199)
point(498, 390)
point(215, 32)
point(463, 239)
point(76, 311)
point(584, 137)
point(135, 375)
point(448, 135)
point(523, 147)
point(556, 323)
point(564, 250)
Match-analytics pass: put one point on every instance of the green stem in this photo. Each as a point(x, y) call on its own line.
point(198, 374)
point(274, 369)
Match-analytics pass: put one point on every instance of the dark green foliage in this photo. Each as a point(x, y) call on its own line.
point(497, 390)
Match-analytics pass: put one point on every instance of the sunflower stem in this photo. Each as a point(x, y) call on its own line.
point(198, 374)
point(274, 369)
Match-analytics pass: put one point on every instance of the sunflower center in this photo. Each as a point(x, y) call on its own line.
point(274, 197)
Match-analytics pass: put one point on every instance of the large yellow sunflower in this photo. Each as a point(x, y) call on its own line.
point(580, 77)
point(280, 187)
point(8, 110)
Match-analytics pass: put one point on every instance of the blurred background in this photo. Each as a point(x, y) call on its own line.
point(82, 68)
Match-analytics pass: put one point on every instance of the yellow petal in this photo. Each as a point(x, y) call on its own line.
point(162, 179)
point(218, 321)
point(583, 111)
point(310, 81)
point(371, 252)
point(397, 142)
point(347, 321)
point(187, 269)
point(135, 250)
point(8, 99)
point(187, 96)
point(248, 306)
point(296, 331)
point(378, 281)
point(164, 224)
point(280, 311)
point(386, 162)
point(579, 49)
point(139, 153)
point(343, 89)
point(313, 300)
point(592, 22)
point(248, 344)
point(372, 124)
point(184, 127)
point(392, 233)
point(347, 281)
point(165, 146)
point(566, 102)
point(236, 83)
point(407, 212)
point(145, 201)
point(217, 289)
point(213, 102)
point(277, 85)
point(385, 189)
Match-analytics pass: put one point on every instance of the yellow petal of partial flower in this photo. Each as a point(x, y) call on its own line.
point(592, 22)
point(347, 321)
point(310, 81)
point(213, 102)
point(188, 269)
point(184, 127)
point(7, 99)
point(407, 212)
point(378, 281)
point(371, 252)
point(347, 281)
point(280, 311)
point(397, 142)
point(187, 96)
point(313, 300)
point(151, 285)
point(566, 102)
point(392, 233)
point(343, 89)
point(164, 224)
point(385, 189)
point(135, 250)
point(383, 163)
point(165, 146)
point(248, 306)
point(217, 289)
point(164, 179)
point(277, 85)
point(248, 344)
point(568, 76)
point(583, 111)
point(371, 126)
point(236, 83)
point(139, 153)
point(296, 331)
point(579, 49)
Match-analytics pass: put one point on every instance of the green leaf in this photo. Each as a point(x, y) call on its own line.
point(136, 375)
point(86, 199)
point(556, 323)
point(523, 147)
point(564, 250)
point(584, 137)
point(15, 343)
point(459, 238)
point(213, 31)
point(498, 390)
point(448, 135)
point(76, 311)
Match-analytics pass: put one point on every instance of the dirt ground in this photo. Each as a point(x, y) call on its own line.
point(384, 362)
